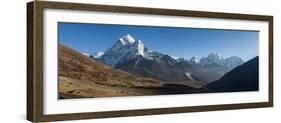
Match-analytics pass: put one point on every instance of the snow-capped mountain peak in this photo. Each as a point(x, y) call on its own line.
point(128, 39)
point(124, 49)
point(98, 54)
point(174, 57)
point(215, 56)
point(86, 54)
point(180, 60)
point(233, 61)
point(212, 59)
point(194, 60)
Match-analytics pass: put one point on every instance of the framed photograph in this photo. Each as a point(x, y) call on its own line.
point(96, 61)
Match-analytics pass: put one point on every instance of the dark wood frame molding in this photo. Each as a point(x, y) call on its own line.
point(35, 60)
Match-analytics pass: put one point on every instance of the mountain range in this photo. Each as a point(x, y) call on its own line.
point(131, 55)
point(128, 47)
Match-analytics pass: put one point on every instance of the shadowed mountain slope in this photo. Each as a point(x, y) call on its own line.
point(242, 78)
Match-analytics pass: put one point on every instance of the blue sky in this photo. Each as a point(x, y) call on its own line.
point(178, 42)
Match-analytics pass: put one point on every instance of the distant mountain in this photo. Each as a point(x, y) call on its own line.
point(214, 66)
point(132, 56)
point(86, 54)
point(210, 72)
point(242, 78)
point(194, 60)
point(212, 58)
point(233, 61)
point(98, 54)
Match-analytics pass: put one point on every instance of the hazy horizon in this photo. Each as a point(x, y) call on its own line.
point(177, 42)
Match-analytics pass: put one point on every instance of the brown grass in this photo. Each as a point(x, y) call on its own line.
point(81, 76)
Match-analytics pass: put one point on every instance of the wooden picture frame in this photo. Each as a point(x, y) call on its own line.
point(35, 62)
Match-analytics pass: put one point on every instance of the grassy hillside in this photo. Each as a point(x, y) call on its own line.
point(81, 76)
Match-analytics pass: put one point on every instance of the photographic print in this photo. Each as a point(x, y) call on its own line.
point(105, 60)
point(88, 61)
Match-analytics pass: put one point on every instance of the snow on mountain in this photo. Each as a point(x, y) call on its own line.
point(189, 76)
point(98, 54)
point(194, 60)
point(180, 59)
point(86, 54)
point(148, 54)
point(128, 48)
point(152, 55)
point(125, 48)
point(212, 59)
point(95, 55)
point(128, 39)
point(233, 61)
point(138, 46)
point(174, 57)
